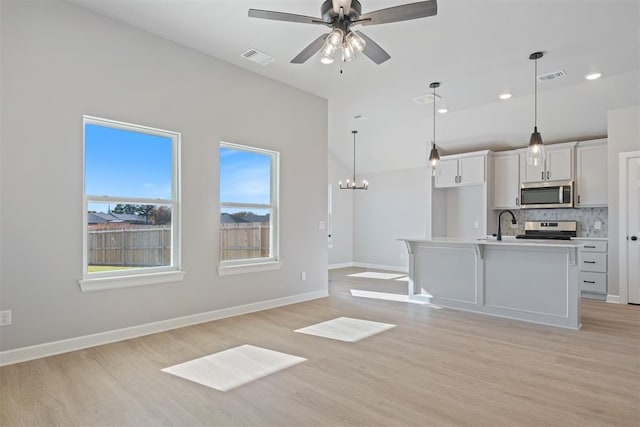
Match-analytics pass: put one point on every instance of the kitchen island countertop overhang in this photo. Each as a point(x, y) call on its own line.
point(530, 280)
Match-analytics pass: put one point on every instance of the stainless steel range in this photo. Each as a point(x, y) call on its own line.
point(559, 230)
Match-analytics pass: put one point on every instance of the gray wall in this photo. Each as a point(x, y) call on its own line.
point(396, 205)
point(341, 251)
point(623, 128)
point(60, 61)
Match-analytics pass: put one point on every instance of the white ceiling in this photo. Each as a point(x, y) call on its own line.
point(475, 48)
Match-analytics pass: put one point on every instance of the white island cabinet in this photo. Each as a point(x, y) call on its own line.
point(530, 280)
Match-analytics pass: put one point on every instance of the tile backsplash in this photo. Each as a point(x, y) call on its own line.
point(585, 217)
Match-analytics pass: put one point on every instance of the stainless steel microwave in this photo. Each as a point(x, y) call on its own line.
point(547, 194)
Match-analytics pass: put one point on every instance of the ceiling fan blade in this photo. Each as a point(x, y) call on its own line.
point(346, 4)
point(404, 12)
point(373, 50)
point(281, 16)
point(310, 50)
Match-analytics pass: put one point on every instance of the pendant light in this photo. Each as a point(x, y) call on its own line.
point(434, 156)
point(535, 151)
point(352, 185)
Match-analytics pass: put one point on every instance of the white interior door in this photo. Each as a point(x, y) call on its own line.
point(633, 229)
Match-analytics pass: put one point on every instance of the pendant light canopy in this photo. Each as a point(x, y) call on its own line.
point(351, 185)
point(434, 156)
point(535, 151)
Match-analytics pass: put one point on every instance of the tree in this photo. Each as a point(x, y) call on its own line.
point(160, 215)
point(144, 210)
point(124, 209)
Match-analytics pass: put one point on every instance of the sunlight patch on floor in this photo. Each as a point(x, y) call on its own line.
point(420, 299)
point(346, 329)
point(376, 275)
point(234, 367)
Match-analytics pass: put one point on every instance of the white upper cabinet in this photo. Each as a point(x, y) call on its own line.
point(471, 170)
point(506, 181)
point(557, 165)
point(455, 171)
point(591, 173)
point(447, 173)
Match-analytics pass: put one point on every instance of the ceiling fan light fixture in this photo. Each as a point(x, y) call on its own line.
point(325, 60)
point(355, 41)
point(335, 38)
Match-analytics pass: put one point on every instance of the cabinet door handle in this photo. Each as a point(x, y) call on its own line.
point(460, 179)
point(542, 175)
point(455, 179)
point(589, 281)
point(517, 201)
point(589, 262)
point(548, 174)
point(590, 247)
point(578, 199)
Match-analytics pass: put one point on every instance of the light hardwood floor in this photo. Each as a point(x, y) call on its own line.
point(438, 367)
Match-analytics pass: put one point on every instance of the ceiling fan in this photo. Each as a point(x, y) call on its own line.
point(340, 16)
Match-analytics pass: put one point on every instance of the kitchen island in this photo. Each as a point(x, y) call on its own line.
point(530, 280)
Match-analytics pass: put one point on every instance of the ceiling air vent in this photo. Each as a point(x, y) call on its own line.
point(552, 76)
point(258, 57)
point(427, 99)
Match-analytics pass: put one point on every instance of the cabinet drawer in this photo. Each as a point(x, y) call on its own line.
point(594, 246)
point(593, 282)
point(593, 261)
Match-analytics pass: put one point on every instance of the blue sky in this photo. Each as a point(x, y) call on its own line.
point(122, 163)
point(245, 176)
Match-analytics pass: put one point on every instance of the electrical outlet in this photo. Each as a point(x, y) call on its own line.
point(5, 318)
point(476, 225)
point(303, 275)
point(597, 225)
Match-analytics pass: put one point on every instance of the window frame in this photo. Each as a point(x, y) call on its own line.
point(255, 264)
point(142, 275)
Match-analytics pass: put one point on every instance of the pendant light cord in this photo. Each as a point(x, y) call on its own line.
point(535, 94)
point(434, 117)
point(354, 156)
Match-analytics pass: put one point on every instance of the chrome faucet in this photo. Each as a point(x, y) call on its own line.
point(513, 221)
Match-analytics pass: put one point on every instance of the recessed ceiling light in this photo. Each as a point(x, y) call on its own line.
point(442, 110)
point(505, 95)
point(593, 76)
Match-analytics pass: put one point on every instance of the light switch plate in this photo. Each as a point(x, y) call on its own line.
point(322, 225)
point(5, 318)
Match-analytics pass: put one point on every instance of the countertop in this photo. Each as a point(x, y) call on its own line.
point(506, 240)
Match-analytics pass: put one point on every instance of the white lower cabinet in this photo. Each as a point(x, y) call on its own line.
point(592, 257)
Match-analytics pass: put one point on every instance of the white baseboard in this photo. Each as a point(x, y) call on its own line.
point(24, 354)
point(394, 268)
point(340, 265)
point(615, 299)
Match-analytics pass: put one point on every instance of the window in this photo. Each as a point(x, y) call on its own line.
point(248, 207)
point(131, 202)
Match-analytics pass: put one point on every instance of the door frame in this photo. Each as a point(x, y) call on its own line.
point(623, 171)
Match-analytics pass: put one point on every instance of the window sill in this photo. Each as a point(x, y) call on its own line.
point(227, 270)
point(106, 283)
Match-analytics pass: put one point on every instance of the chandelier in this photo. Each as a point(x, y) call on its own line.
point(352, 185)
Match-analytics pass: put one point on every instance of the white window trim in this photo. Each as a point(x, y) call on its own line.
point(135, 276)
point(249, 265)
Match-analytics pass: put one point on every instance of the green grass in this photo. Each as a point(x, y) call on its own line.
point(99, 268)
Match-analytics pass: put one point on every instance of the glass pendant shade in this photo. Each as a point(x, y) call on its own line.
point(328, 53)
point(434, 156)
point(355, 41)
point(535, 151)
point(335, 38)
point(347, 52)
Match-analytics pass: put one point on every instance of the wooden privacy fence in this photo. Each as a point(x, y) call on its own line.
point(140, 247)
point(244, 240)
